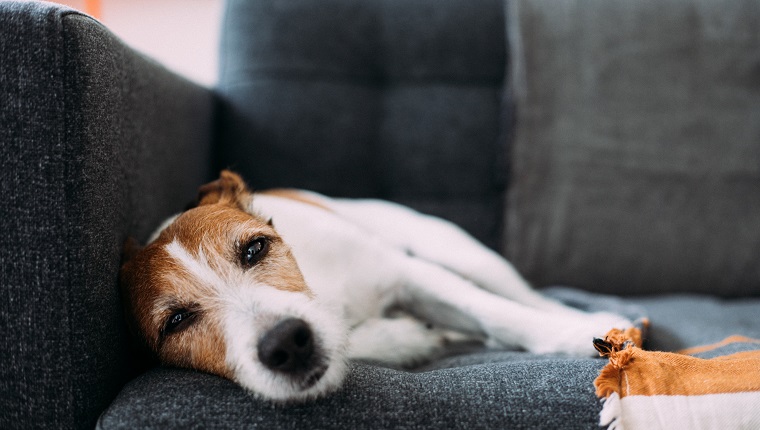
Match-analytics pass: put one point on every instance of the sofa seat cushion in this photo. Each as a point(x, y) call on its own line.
point(483, 389)
point(507, 390)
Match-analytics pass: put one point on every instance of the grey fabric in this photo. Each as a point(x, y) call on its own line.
point(394, 99)
point(636, 159)
point(728, 349)
point(677, 321)
point(514, 392)
point(685, 320)
point(370, 99)
point(96, 143)
point(485, 389)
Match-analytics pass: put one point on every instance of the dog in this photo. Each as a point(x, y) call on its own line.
point(277, 290)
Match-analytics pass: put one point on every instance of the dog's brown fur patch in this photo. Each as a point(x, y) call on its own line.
point(156, 284)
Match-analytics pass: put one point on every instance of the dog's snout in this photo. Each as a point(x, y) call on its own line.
point(287, 347)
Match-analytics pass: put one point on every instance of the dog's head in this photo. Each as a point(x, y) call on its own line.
point(219, 291)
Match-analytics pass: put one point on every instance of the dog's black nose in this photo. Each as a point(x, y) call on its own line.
point(287, 347)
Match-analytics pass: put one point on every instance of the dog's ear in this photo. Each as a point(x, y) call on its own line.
point(140, 356)
point(130, 248)
point(228, 189)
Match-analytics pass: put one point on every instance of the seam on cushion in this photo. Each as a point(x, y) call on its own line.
point(54, 25)
point(379, 81)
point(223, 46)
point(89, 159)
point(71, 172)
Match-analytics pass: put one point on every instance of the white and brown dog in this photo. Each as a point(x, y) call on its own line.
point(276, 290)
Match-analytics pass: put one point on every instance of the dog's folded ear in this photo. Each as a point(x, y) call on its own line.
point(130, 248)
point(228, 189)
point(140, 357)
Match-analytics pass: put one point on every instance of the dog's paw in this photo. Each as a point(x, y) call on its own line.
point(575, 337)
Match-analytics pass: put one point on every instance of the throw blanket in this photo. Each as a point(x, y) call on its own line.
point(710, 387)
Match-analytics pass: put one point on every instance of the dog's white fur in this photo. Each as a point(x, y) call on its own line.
point(388, 284)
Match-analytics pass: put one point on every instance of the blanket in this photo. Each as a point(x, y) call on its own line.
point(709, 387)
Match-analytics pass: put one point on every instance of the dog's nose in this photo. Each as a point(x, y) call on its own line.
point(287, 347)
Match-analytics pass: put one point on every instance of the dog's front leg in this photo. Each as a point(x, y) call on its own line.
point(442, 297)
point(401, 341)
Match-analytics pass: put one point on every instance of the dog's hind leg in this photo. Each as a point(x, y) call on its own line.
point(445, 244)
point(445, 298)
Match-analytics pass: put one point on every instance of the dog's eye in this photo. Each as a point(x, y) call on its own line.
point(178, 321)
point(254, 251)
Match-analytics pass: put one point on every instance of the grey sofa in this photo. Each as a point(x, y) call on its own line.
point(612, 146)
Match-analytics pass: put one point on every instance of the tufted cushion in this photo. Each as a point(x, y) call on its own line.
point(357, 98)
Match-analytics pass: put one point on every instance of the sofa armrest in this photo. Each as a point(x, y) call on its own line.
point(96, 143)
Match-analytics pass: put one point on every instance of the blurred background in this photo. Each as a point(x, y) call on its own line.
point(181, 34)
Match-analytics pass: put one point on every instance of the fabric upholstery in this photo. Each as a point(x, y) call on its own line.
point(484, 396)
point(636, 158)
point(370, 99)
point(97, 143)
point(487, 389)
point(397, 99)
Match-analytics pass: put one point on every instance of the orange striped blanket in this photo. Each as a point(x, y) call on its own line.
point(663, 390)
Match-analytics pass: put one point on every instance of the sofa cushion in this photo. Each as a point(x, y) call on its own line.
point(508, 390)
point(636, 162)
point(391, 99)
point(482, 389)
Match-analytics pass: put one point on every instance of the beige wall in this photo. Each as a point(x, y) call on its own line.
point(181, 34)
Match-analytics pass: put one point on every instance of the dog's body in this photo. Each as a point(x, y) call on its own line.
point(275, 290)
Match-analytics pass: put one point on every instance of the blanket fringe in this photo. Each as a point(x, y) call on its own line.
point(619, 346)
point(608, 381)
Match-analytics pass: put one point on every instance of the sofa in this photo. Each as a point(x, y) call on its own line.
point(610, 149)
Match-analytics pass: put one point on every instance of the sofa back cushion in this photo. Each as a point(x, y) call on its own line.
point(637, 158)
point(385, 98)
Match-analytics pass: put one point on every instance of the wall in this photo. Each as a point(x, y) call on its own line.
point(181, 34)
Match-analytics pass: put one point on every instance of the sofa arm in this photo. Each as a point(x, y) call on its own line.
point(96, 143)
